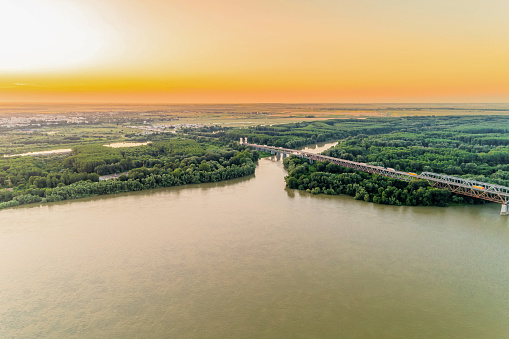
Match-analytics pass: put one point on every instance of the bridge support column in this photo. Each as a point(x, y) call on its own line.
point(505, 209)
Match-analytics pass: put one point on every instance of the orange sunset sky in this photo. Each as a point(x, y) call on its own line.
point(168, 51)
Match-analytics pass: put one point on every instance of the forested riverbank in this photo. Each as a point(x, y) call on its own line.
point(163, 164)
point(474, 147)
point(331, 179)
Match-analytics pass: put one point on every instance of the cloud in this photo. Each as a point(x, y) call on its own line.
point(20, 84)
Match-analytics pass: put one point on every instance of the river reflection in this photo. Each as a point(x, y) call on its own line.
point(250, 258)
point(319, 147)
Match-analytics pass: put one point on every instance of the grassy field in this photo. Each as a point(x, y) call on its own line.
point(41, 127)
point(15, 141)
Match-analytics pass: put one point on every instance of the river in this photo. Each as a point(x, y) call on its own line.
point(248, 258)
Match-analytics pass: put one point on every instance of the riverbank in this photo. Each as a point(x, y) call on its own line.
point(330, 179)
point(248, 258)
point(210, 167)
point(85, 189)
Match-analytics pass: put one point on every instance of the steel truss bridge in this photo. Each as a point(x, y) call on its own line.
point(471, 188)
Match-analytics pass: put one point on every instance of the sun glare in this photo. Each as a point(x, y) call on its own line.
point(48, 35)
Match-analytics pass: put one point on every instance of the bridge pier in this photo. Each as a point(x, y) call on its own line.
point(476, 189)
point(505, 209)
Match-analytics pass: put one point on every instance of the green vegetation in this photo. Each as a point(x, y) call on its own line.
point(474, 147)
point(35, 138)
point(160, 164)
point(264, 154)
point(328, 178)
point(476, 153)
point(305, 133)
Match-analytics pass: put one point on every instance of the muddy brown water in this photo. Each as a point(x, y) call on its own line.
point(248, 258)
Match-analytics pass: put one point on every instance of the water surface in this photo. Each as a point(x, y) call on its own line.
point(127, 144)
point(249, 258)
point(51, 152)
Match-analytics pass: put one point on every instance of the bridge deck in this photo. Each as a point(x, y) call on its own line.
point(472, 188)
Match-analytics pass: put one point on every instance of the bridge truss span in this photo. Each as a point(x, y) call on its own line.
point(471, 188)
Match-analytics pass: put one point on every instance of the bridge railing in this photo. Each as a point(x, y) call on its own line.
point(459, 185)
point(467, 183)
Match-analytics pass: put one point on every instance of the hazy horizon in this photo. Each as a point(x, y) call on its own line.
point(254, 52)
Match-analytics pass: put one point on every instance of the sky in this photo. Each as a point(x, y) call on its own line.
point(226, 51)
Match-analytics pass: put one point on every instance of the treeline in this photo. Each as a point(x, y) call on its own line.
point(474, 147)
point(107, 160)
point(88, 162)
point(212, 166)
point(304, 133)
point(428, 152)
point(328, 178)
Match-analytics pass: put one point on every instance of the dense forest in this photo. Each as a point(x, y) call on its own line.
point(160, 164)
point(328, 178)
point(429, 151)
point(474, 147)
